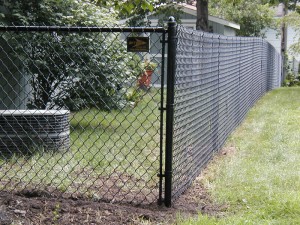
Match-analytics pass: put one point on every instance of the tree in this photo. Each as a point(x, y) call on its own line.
point(253, 16)
point(135, 11)
point(291, 4)
point(202, 15)
point(73, 69)
point(164, 11)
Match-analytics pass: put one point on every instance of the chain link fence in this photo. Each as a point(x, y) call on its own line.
point(79, 114)
point(81, 117)
point(217, 80)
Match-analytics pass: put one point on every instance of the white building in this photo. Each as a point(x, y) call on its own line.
point(274, 37)
point(189, 16)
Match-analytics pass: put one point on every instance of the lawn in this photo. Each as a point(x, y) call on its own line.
point(119, 148)
point(259, 180)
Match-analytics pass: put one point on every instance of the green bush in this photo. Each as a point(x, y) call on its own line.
point(74, 70)
point(291, 80)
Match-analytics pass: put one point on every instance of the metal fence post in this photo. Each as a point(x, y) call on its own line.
point(170, 109)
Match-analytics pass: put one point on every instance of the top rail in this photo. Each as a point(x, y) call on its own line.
point(81, 29)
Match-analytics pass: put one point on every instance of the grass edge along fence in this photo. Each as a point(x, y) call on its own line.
point(213, 81)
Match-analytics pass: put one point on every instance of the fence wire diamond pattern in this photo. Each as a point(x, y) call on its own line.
point(79, 115)
point(75, 117)
point(217, 80)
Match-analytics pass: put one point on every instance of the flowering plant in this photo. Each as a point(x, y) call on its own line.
point(148, 65)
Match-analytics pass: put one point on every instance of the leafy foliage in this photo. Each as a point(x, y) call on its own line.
point(251, 15)
point(135, 11)
point(164, 11)
point(73, 69)
point(291, 80)
point(292, 4)
point(55, 12)
point(108, 69)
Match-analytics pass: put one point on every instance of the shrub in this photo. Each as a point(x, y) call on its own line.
point(291, 80)
point(74, 70)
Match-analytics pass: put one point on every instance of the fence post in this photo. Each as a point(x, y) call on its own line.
point(171, 67)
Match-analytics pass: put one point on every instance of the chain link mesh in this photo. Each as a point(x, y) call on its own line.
point(218, 79)
point(76, 116)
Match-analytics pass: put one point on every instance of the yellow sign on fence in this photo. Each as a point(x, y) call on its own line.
point(138, 44)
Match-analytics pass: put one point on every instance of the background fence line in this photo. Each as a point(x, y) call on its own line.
point(217, 81)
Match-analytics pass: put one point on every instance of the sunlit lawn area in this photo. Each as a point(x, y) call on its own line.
point(260, 181)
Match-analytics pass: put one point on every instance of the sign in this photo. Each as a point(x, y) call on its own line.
point(138, 44)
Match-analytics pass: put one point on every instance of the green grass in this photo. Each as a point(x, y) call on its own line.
point(260, 182)
point(122, 143)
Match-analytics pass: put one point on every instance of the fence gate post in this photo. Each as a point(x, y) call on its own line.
point(171, 67)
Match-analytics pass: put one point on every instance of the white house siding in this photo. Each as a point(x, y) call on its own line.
point(291, 39)
point(14, 84)
point(274, 37)
point(229, 31)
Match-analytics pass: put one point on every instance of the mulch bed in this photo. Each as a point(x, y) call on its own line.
point(34, 207)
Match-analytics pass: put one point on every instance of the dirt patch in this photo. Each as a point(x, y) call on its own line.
point(228, 150)
point(32, 207)
point(116, 187)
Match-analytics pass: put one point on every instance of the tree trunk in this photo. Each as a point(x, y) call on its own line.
point(284, 42)
point(202, 15)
